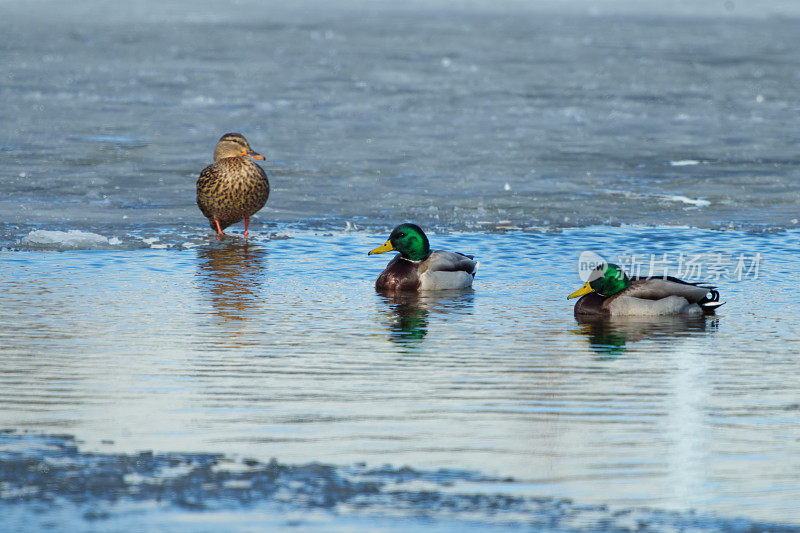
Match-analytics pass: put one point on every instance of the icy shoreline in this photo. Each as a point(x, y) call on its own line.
point(81, 488)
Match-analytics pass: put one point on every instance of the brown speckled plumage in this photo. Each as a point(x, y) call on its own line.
point(233, 188)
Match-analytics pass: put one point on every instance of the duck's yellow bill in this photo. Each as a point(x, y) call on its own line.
point(382, 249)
point(586, 289)
point(255, 155)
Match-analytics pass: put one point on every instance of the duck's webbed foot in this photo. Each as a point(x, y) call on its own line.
point(219, 229)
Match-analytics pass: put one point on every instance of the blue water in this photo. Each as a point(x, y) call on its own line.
point(281, 349)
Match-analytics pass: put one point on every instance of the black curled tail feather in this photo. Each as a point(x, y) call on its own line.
point(710, 302)
point(712, 296)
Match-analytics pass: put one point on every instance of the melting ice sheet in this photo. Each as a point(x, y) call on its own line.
point(48, 480)
point(459, 116)
point(68, 240)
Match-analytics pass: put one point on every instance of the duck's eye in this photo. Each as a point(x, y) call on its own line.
point(402, 234)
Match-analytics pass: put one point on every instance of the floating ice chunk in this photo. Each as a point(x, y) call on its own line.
point(199, 100)
point(686, 200)
point(68, 240)
point(684, 163)
point(697, 202)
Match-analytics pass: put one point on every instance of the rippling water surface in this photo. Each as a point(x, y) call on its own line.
point(280, 348)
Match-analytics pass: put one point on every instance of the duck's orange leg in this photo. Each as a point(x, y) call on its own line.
point(246, 224)
point(219, 229)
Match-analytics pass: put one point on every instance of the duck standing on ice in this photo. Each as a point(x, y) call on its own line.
point(232, 188)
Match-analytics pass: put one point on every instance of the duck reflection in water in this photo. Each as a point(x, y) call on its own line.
point(411, 312)
point(609, 337)
point(232, 275)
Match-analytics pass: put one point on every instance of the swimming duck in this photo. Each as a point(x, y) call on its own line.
point(233, 187)
point(610, 292)
point(417, 268)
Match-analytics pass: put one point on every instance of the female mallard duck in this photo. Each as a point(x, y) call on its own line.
point(610, 292)
point(417, 268)
point(233, 187)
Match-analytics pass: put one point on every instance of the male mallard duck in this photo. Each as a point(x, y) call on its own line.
point(417, 268)
point(233, 187)
point(611, 292)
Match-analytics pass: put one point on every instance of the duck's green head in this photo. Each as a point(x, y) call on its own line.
point(606, 280)
point(409, 240)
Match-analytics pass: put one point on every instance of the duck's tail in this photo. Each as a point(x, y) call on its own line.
point(710, 302)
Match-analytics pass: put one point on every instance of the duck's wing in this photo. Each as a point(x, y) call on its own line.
point(207, 185)
point(658, 288)
point(674, 280)
point(447, 270)
point(708, 302)
point(441, 261)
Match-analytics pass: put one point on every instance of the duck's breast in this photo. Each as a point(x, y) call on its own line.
point(400, 275)
point(246, 183)
point(590, 305)
point(232, 189)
